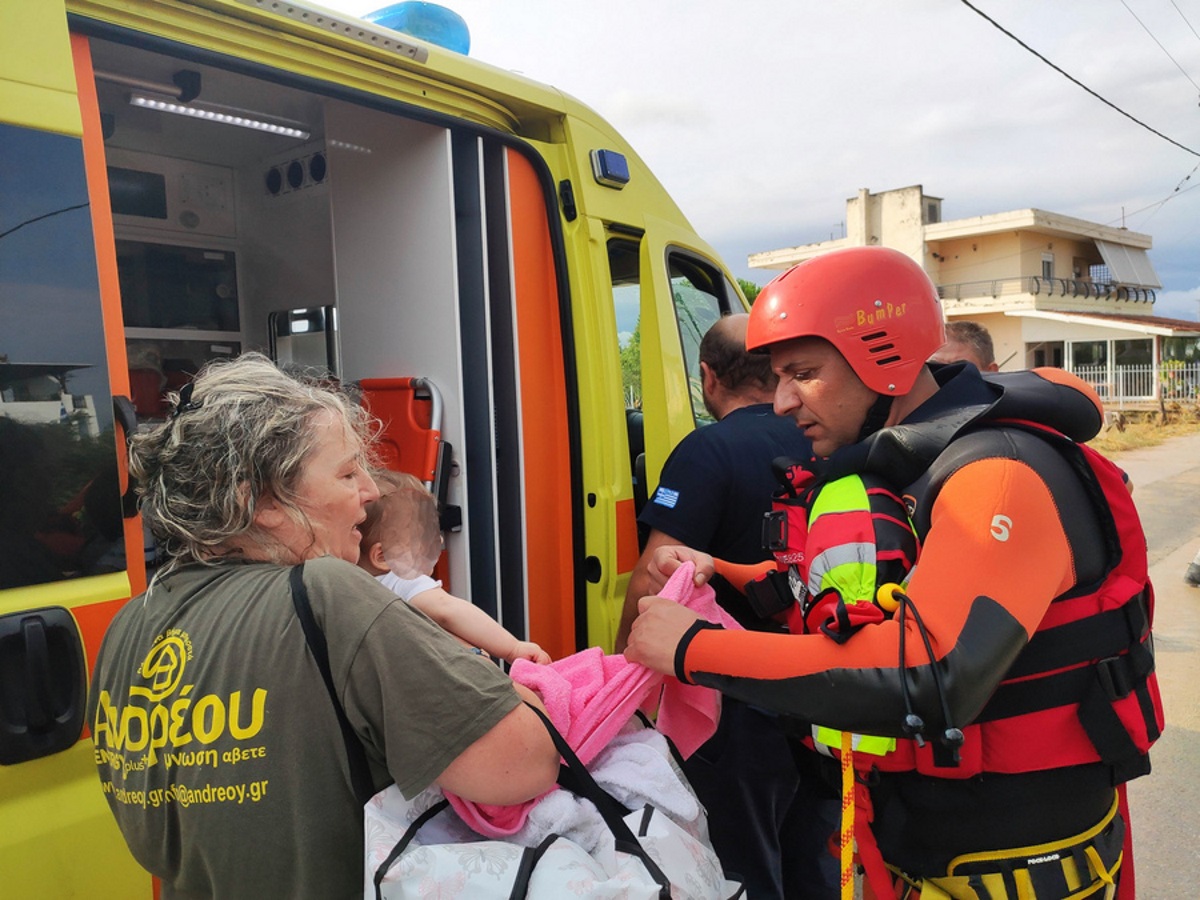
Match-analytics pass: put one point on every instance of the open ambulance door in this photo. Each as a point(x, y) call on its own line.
point(70, 543)
point(683, 293)
point(447, 270)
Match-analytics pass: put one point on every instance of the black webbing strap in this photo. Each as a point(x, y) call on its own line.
point(769, 595)
point(613, 813)
point(1094, 637)
point(402, 844)
point(1107, 651)
point(579, 782)
point(1109, 679)
point(360, 771)
point(1095, 688)
point(529, 859)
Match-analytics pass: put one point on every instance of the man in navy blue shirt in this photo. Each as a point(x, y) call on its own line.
point(769, 820)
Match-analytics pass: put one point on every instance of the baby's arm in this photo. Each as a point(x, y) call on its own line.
point(473, 625)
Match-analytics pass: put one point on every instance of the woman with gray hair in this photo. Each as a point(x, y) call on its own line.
point(219, 751)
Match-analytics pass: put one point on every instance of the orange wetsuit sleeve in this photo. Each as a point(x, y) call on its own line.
point(995, 555)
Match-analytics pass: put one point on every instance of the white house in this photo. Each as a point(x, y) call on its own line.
point(1052, 289)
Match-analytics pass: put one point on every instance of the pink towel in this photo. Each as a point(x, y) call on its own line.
point(589, 696)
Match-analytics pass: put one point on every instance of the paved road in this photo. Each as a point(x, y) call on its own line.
point(1165, 805)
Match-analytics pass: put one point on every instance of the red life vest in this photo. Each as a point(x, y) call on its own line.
point(1083, 690)
point(871, 533)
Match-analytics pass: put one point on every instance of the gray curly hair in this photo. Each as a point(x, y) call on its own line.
point(240, 433)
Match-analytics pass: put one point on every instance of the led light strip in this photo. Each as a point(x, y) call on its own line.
point(214, 115)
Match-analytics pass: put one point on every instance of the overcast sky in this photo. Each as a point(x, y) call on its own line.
point(762, 117)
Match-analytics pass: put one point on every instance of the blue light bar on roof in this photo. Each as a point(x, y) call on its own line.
point(427, 21)
point(610, 168)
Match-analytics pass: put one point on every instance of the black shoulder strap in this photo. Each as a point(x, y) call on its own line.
point(360, 772)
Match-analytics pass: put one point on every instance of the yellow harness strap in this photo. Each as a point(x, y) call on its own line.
point(1086, 865)
point(847, 835)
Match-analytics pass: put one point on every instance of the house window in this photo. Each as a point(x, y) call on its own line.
point(1047, 353)
point(1184, 348)
point(933, 212)
point(1047, 265)
point(1138, 352)
point(1089, 353)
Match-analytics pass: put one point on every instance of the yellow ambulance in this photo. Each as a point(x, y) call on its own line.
point(189, 179)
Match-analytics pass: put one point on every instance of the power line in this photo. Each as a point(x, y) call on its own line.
point(1185, 18)
point(1186, 178)
point(57, 212)
point(1069, 77)
point(1159, 204)
point(1160, 46)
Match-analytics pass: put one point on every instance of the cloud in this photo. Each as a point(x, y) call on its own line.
point(1184, 304)
point(761, 118)
point(655, 111)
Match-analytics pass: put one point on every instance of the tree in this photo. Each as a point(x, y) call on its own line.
point(749, 288)
point(631, 367)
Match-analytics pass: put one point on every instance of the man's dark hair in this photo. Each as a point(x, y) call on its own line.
point(723, 349)
point(975, 336)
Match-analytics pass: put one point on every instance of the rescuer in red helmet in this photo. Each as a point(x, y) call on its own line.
point(1012, 670)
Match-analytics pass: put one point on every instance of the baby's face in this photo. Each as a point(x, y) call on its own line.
point(414, 541)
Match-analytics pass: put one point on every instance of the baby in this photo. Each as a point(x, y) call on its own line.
point(400, 544)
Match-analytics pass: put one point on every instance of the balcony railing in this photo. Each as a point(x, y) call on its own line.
point(1119, 385)
point(1045, 287)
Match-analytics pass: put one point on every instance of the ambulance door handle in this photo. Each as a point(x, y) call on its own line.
point(37, 674)
point(43, 684)
point(592, 569)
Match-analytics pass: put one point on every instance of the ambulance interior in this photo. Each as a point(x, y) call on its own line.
point(341, 227)
point(219, 226)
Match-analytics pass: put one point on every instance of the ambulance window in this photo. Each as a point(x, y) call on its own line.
point(60, 504)
point(700, 299)
point(627, 303)
point(625, 271)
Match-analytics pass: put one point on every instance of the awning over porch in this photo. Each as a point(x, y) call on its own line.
point(1128, 265)
point(1145, 325)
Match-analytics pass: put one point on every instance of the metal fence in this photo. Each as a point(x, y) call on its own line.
point(1046, 287)
point(1120, 385)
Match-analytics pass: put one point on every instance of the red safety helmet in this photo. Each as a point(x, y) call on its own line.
point(874, 304)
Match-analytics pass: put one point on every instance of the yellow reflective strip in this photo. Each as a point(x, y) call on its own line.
point(849, 567)
point(843, 495)
point(862, 743)
point(854, 579)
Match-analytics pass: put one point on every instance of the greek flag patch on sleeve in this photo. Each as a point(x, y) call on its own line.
point(666, 497)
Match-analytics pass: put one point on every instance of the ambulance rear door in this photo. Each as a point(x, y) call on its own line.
point(70, 548)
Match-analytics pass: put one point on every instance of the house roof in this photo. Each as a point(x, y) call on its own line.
point(1159, 325)
point(1124, 251)
point(1038, 220)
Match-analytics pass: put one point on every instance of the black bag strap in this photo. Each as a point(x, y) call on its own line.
point(613, 813)
point(402, 844)
point(581, 783)
point(360, 772)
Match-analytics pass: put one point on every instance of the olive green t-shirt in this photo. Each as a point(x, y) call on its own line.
point(217, 744)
